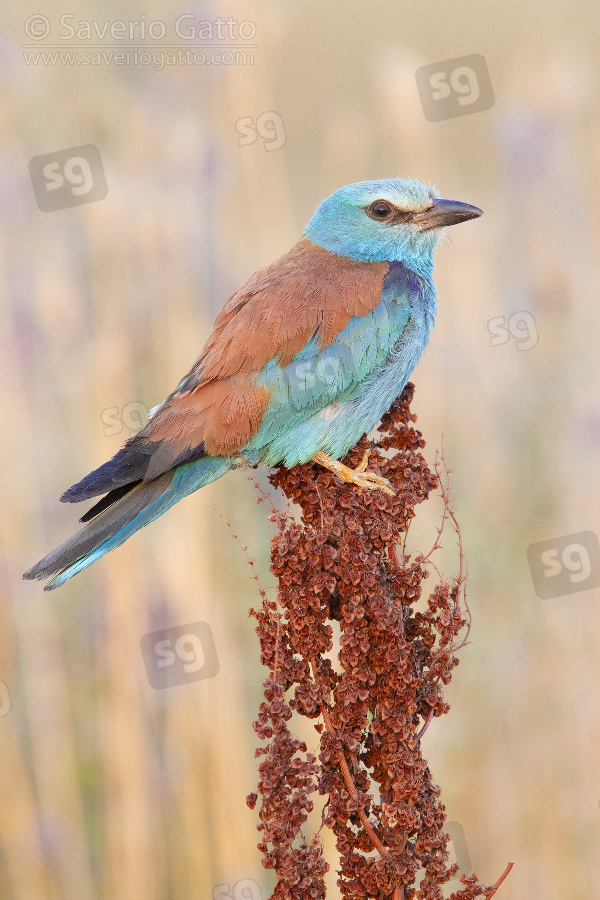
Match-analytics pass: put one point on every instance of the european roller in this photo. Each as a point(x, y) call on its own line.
point(303, 360)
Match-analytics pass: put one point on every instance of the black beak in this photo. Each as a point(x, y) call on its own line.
point(443, 213)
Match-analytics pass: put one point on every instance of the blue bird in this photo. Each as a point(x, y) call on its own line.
point(303, 360)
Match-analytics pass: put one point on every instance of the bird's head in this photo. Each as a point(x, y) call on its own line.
point(391, 219)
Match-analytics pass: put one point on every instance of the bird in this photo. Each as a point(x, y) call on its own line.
point(302, 361)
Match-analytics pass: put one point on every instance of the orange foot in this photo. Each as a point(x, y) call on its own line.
point(358, 476)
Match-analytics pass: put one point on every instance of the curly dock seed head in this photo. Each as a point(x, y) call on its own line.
point(341, 564)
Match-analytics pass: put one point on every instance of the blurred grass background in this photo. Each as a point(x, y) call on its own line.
point(110, 789)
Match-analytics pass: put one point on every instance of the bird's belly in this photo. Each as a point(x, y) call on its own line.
point(338, 426)
point(342, 425)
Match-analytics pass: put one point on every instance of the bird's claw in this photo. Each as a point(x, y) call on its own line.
point(372, 482)
point(358, 476)
point(362, 466)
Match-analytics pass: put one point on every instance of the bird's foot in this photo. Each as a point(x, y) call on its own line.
point(358, 476)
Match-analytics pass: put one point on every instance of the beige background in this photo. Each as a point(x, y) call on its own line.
point(112, 790)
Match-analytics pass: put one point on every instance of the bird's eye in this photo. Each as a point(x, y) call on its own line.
point(379, 210)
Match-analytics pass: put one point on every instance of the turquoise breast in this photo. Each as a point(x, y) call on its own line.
point(324, 401)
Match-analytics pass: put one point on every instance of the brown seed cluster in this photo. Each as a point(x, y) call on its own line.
point(341, 564)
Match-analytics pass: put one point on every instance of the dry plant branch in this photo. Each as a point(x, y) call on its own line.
point(341, 564)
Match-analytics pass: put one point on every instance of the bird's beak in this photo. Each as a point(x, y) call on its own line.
point(443, 213)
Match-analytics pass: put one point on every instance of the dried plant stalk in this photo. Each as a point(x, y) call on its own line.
point(341, 564)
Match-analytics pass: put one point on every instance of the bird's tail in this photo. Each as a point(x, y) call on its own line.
point(111, 526)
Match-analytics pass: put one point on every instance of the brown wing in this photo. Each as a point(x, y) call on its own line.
point(278, 310)
point(217, 408)
point(307, 292)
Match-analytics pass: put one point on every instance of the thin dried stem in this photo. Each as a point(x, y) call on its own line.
point(349, 781)
point(490, 892)
point(249, 560)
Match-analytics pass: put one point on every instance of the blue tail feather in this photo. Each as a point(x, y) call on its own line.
point(112, 526)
